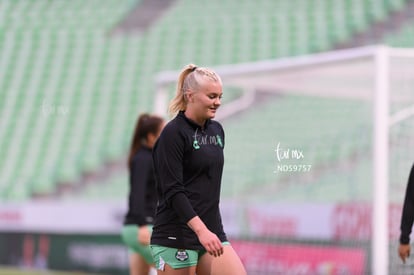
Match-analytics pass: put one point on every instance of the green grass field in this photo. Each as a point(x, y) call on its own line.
point(14, 271)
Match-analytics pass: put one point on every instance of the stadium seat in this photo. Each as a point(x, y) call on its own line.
point(72, 91)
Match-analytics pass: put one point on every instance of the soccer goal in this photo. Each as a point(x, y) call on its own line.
point(318, 151)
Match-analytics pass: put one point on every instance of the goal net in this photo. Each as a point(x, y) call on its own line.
point(317, 154)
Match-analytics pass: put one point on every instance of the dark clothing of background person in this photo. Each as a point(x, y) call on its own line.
point(142, 200)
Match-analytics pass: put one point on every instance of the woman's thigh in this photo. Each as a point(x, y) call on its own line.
point(229, 263)
point(138, 265)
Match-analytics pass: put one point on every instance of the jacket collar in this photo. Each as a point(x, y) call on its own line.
point(192, 123)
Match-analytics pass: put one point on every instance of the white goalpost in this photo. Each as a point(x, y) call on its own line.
point(380, 157)
point(376, 78)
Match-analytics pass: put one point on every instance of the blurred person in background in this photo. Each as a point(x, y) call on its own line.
point(142, 200)
point(407, 218)
point(188, 235)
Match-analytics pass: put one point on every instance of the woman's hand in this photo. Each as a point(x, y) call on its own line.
point(211, 242)
point(208, 239)
point(404, 251)
point(144, 235)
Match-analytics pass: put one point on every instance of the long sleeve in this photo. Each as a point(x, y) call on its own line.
point(407, 217)
point(168, 163)
point(139, 175)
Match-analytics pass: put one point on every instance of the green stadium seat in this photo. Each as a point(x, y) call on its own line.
point(59, 53)
point(403, 38)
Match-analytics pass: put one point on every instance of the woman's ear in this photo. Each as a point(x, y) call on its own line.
point(190, 96)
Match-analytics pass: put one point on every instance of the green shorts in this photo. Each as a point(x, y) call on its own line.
point(176, 258)
point(129, 236)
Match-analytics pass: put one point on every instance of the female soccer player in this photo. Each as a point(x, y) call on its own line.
point(188, 234)
point(136, 232)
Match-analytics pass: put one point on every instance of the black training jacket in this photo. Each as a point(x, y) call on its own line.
point(188, 164)
point(407, 217)
point(142, 200)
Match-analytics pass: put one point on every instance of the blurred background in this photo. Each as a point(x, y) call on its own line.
point(298, 112)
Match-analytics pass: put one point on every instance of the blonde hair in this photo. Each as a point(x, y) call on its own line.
point(190, 79)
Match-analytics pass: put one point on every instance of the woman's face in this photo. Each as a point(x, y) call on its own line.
point(207, 100)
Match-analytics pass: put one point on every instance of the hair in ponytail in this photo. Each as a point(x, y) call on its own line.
point(146, 124)
point(190, 79)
